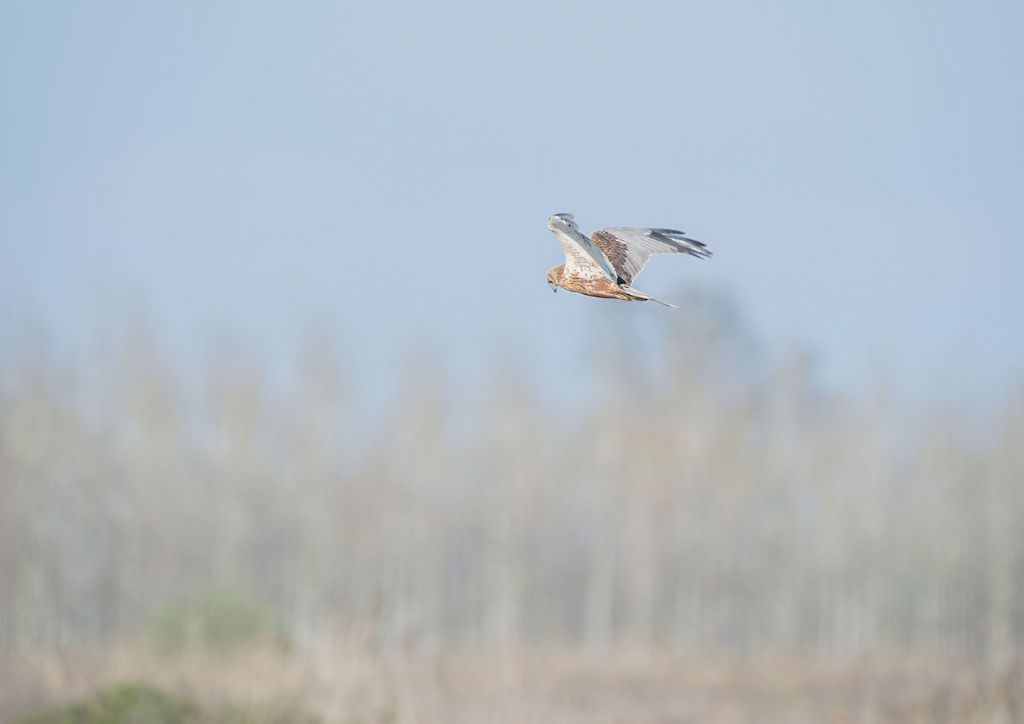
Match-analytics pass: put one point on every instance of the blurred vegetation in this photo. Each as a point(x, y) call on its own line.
point(702, 498)
point(143, 704)
point(125, 704)
point(218, 621)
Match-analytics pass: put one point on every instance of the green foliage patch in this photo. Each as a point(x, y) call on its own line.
point(124, 704)
point(219, 621)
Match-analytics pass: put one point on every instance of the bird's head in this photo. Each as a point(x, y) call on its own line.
point(555, 276)
point(560, 221)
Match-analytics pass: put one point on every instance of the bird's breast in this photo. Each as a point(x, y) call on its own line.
point(592, 287)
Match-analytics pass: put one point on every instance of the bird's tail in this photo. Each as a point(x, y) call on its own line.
point(641, 297)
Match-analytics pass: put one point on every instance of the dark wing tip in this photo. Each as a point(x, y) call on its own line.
point(685, 243)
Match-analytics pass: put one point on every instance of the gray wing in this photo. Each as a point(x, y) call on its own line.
point(583, 258)
point(628, 249)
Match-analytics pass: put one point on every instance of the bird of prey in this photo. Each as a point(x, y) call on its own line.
point(606, 263)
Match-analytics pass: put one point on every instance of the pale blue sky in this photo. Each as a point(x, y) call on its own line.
point(387, 169)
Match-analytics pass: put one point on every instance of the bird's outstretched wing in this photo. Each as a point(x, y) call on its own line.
point(628, 249)
point(583, 258)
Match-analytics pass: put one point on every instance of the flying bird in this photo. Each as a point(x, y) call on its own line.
point(606, 263)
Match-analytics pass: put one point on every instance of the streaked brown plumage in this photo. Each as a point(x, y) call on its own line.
point(606, 263)
point(604, 288)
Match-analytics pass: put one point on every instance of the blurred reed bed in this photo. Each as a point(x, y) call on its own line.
point(701, 501)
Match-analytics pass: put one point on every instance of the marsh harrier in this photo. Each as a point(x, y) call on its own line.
point(606, 263)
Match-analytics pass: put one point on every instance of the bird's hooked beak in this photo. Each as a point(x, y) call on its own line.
point(554, 287)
